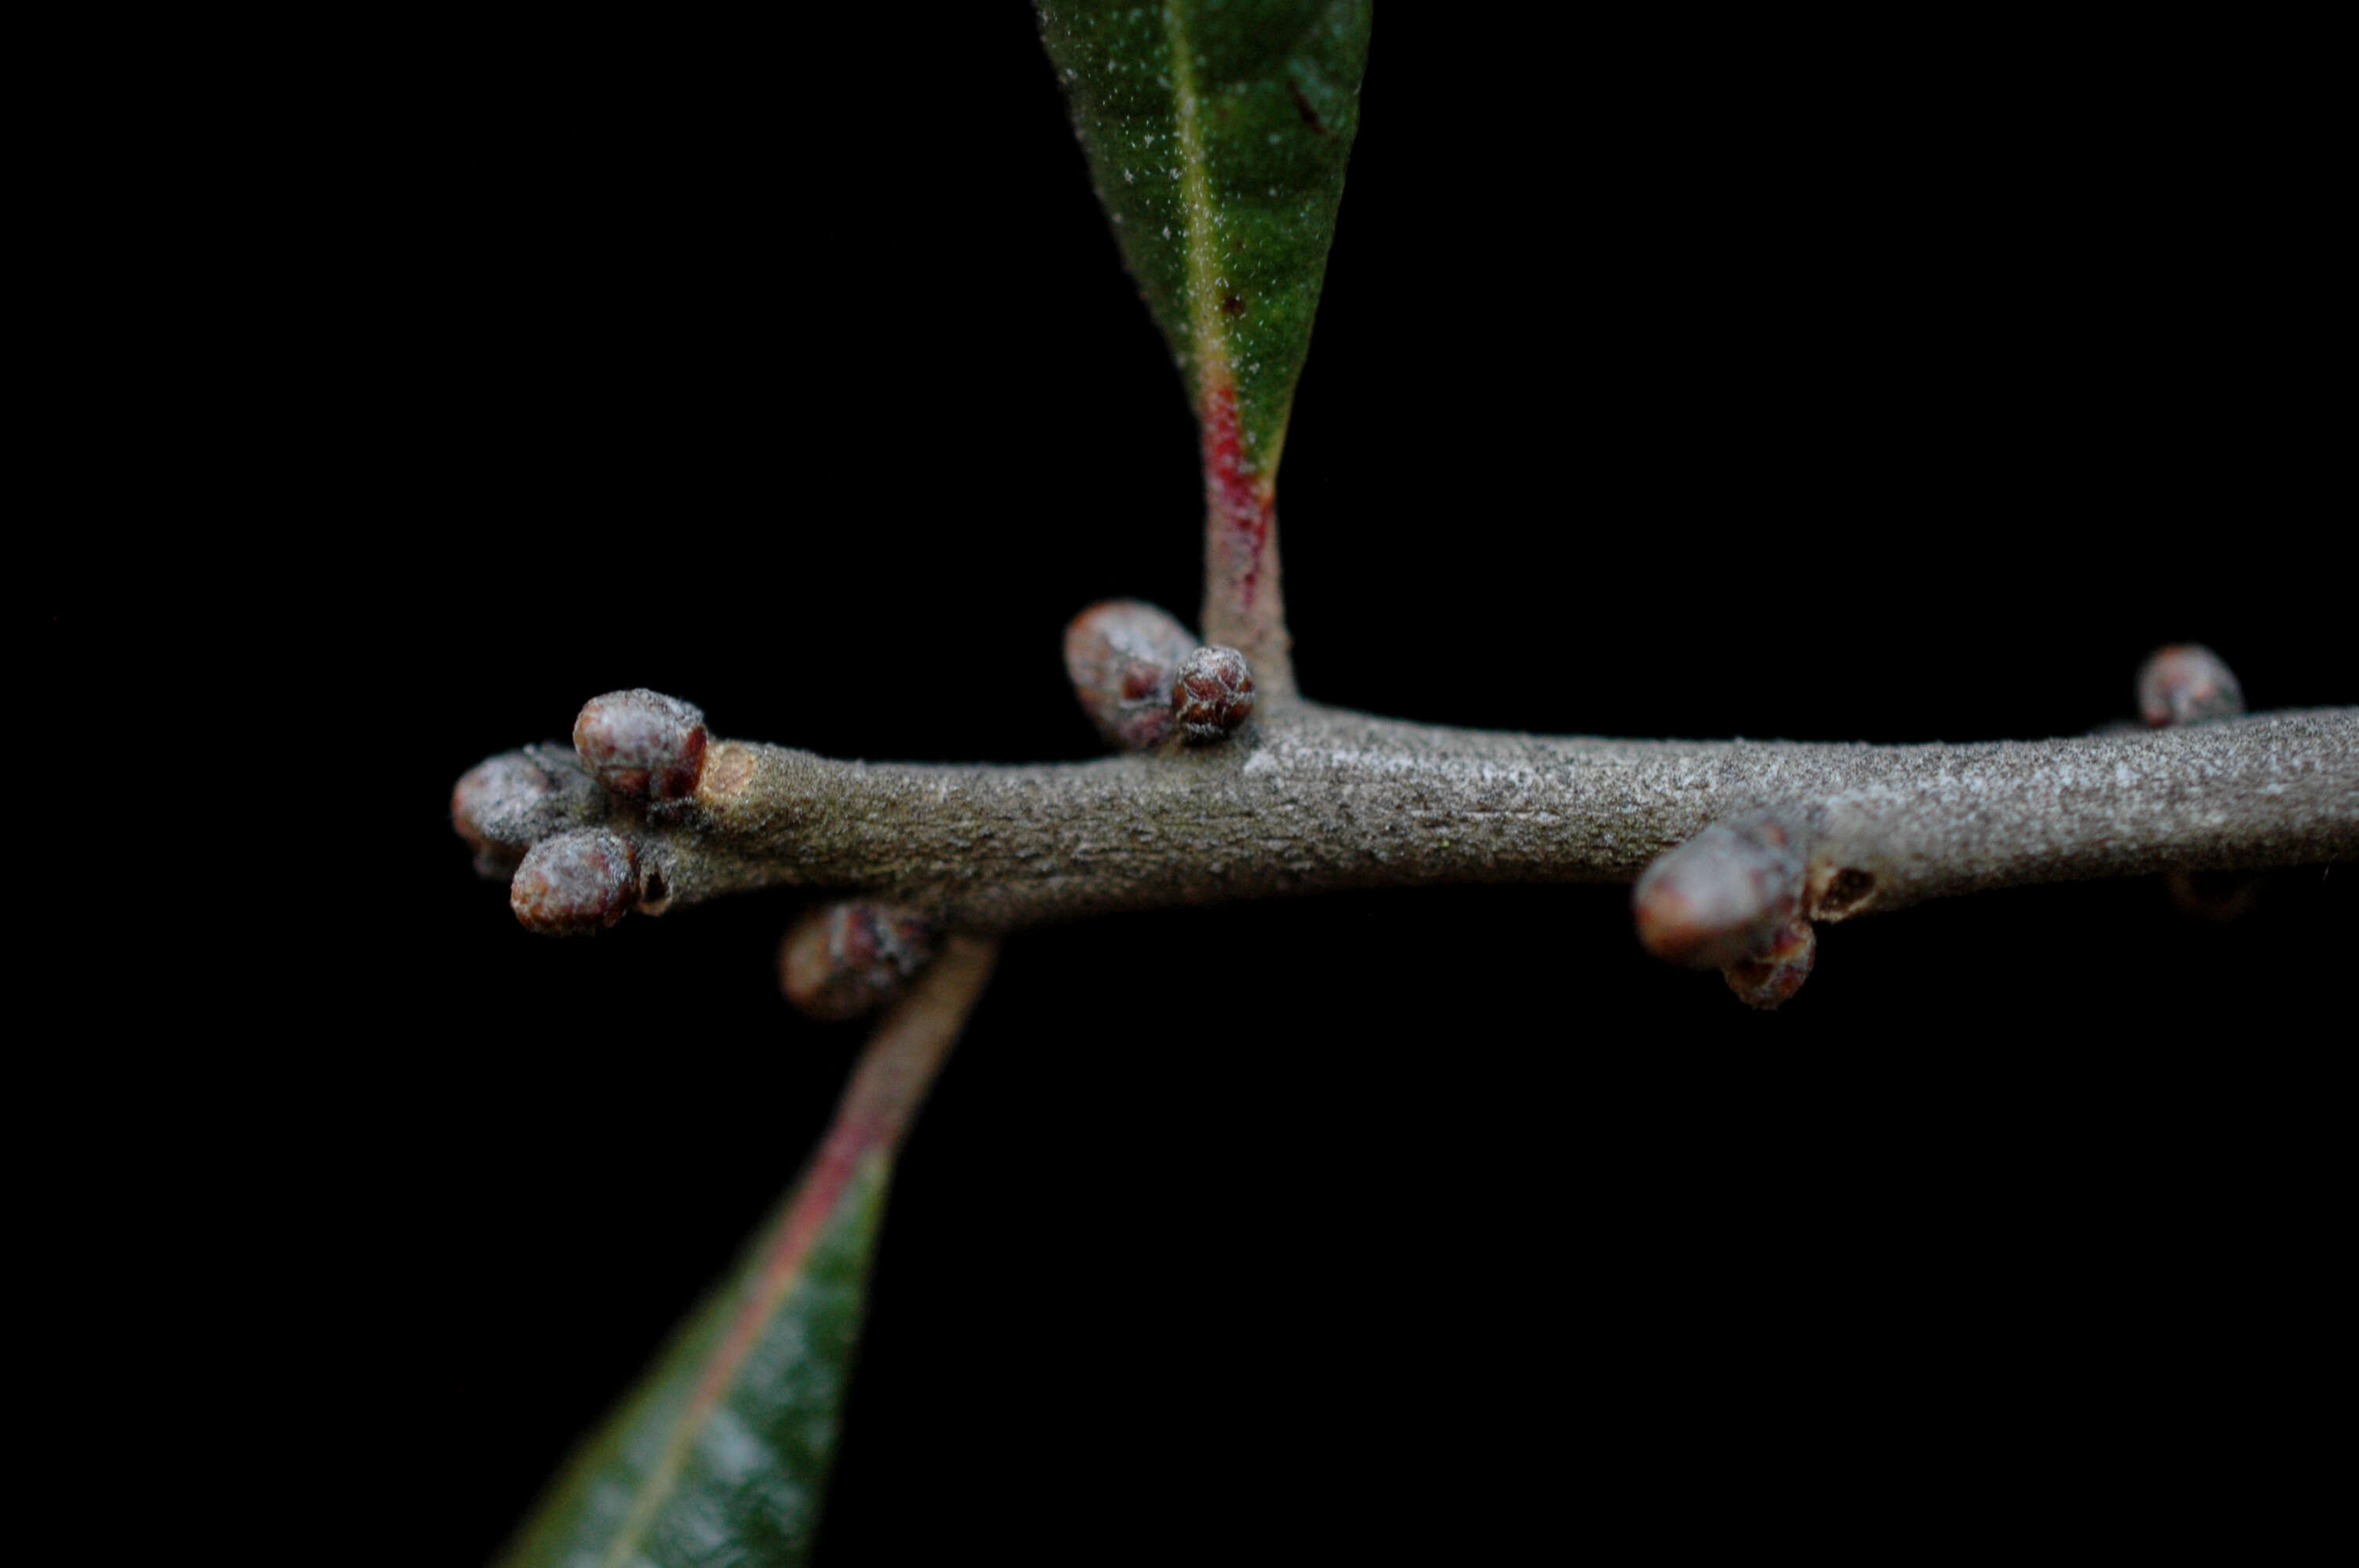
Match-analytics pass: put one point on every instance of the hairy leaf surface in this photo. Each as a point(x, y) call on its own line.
point(720, 1454)
point(1217, 132)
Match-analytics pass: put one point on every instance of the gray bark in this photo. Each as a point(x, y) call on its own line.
point(1316, 799)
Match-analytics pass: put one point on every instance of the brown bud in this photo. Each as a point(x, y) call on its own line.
point(2187, 684)
point(1778, 969)
point(642, 744)
point(1718, 898)
point(842, 959)
point(1211, 694)
point(1122, 655)
point(505, 805)
point(575, 884)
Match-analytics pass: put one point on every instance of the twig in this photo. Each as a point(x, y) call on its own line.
point(1310, 799)
point(1742, 895)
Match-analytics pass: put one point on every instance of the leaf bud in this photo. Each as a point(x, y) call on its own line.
point(1776, 968)
point(846, 958)
point(504, 805)
point(2187, 684)
point(642, 744)
point(575, 884)
point(1122, 655)
point(1213, 694)
point(1718, 898)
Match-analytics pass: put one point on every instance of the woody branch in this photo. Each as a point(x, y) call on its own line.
point(1230, 790)
point(1309, 798)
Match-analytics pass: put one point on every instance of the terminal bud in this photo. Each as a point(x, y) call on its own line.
point(642, 744)
point(504, 805)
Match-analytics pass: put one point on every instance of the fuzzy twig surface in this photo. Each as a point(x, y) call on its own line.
point(1313, 798)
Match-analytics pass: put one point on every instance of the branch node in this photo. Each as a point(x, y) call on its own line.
point(1838, 892)
point(2190, 683)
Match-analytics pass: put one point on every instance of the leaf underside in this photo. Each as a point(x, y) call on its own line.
point(1217, 132)
point(720, 1455)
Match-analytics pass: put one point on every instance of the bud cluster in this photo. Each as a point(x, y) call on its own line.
point(1122, 655)
point(1143, 678)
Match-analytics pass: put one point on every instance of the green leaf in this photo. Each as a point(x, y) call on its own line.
point(1217, 132)
point(720, 1456)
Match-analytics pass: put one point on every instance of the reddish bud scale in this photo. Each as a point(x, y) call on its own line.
point(1773, 973)
point(642, 744)
point(575, 884)
point(1213, 694)
point(2187, 684)
point(1122, 655)
point(840, 960)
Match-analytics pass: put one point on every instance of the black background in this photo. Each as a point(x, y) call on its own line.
point(1671, 381)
